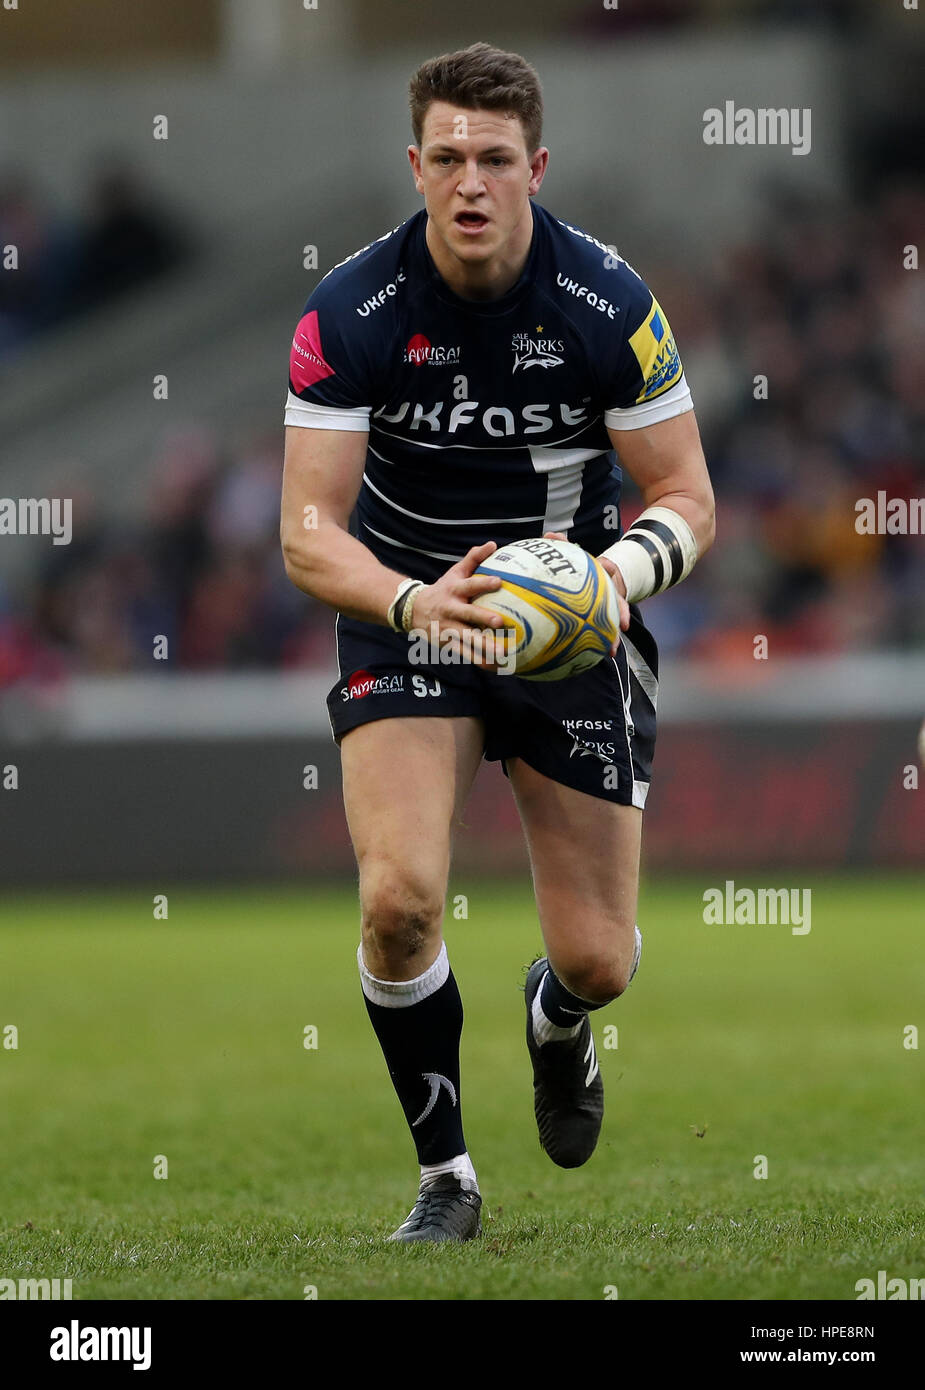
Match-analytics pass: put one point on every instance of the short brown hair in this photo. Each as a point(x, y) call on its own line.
point(480, 77)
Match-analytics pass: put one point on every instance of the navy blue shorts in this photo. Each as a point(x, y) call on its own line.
point(594, 731)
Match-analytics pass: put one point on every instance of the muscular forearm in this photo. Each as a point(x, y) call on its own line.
point(662, 546)
point(667, 464)
point(698, 511)
point(337, 569)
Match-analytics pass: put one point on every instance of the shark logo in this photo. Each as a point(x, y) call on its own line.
point(536, 352)
point(588, 750)
point(435, 1081)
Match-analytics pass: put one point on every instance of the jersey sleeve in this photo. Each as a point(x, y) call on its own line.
point(647, 383)
point(329, 386)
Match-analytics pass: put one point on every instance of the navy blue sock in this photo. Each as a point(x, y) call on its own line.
point(419, 1024)
point(560, 1006)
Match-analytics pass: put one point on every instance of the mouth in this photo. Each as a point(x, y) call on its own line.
point(470, 222)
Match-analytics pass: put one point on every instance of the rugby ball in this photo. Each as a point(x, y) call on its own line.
point(559, 603)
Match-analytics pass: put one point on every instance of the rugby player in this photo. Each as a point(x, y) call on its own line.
point(465, 381)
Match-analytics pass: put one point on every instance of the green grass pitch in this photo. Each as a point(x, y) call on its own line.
point(287, 1165)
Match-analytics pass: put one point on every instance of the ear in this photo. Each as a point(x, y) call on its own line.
point(538, 165)
point(414, 157)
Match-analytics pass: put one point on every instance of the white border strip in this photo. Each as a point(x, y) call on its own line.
point(877, 685)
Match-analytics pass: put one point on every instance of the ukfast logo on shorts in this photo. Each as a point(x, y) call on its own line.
point(536, 352)
point(421, 352)
point(362, 683)
point(584, 747)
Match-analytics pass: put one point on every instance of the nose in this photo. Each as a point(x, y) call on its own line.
point(470, 179)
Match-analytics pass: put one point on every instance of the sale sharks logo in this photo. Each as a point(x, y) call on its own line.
point(536, 352)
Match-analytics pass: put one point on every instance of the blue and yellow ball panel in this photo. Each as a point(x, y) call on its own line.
point(580, 618)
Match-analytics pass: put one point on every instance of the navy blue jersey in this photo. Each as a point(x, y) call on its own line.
point(487, 419)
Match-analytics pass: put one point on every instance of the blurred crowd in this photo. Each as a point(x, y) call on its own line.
point(68, 263)
point(201, 568)
point(805, 354)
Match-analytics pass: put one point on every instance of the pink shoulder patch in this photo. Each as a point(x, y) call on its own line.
point(306, 360)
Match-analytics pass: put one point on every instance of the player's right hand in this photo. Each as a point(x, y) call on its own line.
point(448, 602)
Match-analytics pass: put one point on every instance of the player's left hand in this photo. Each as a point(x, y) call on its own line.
point(618, 583)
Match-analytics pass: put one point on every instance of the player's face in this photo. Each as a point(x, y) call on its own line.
point(476, 176)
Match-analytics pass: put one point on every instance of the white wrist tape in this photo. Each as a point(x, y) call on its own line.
point(398, 615)
point(657, 551)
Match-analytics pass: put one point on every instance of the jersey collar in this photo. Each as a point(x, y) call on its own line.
point(484, 308)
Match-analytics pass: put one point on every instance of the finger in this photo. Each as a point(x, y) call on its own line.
point(615, 574)
point(478, 584)
point(473, 646)
point(467, 617)
point(553, 536)
point(494, 652)
point(473, 618)
point(473, 558)
point(624, 623)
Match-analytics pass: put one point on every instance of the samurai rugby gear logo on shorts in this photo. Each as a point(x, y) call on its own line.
point(361, 684)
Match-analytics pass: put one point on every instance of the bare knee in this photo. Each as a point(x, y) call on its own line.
point(401, 919)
